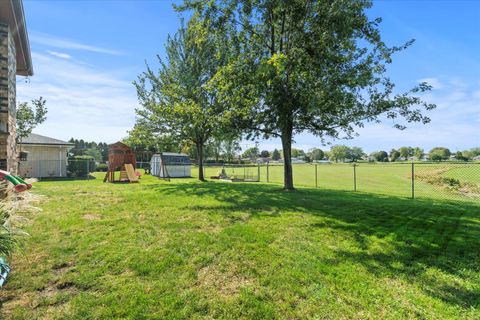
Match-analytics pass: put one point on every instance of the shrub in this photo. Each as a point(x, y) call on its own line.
point(102, 167)
point(81, 166)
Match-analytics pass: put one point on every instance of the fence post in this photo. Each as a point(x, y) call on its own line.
point(316, 176)
point(88, 169)
point(413, 180)
point(268, 178)
point(354, 177)
point(258, 172)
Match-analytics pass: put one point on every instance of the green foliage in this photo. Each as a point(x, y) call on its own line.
point(380, 156)
point(475, 151)
point(406, 152)
point(316, 154)
point(460, 157)
point(298, 153)
point(81, 166)
point(339, 153)
point(394, 155)
point(30, 116)
point(418, 153)
point(144, 137)
point(439, 154)
point(251, 153)
point(96, 154)
point(8, 241)
point(99, 151)
point(472, 153)
point(176, 100)
point(264, 154)
point(276, 155)
point(230, 147)
point(356, 153)
point(102, 167)
point(306, 66)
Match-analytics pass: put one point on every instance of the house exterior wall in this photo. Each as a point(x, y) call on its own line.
point(8, 155)
point(44, 161)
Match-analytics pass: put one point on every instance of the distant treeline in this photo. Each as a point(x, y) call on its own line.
point(84, 149)
point(230, 151)
point(342, 153)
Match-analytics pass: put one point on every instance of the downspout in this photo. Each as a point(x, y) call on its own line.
point(60, 161)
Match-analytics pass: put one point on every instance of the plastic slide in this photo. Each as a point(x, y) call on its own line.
point(131, 173)
point(19, 184)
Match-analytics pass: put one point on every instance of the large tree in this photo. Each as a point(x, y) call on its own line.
point(177, 100)
point(144, 137)
point(356, 153)
point(406, 152)
point(230, 146)
point(307, 65)
point(340, 153)
point(439, 154)
point(316, 154)
point(380, 156)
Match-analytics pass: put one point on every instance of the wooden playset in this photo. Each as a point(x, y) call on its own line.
point(121, 158)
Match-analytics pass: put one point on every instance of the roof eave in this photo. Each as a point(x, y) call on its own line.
point(12, 14)
point(21, 41)
point(47, 144)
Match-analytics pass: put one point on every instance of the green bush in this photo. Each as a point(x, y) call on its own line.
point(102, 167)
point(81, 166)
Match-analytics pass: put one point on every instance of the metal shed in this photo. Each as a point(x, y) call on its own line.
point(171, 165)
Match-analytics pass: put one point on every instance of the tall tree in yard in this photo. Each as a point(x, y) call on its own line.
point(30, 116)
point(307, 65)
point(176, 100)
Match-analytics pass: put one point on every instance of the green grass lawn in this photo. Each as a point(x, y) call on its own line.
point(216, 250)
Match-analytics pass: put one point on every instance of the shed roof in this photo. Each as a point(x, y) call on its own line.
point(12, 14)
point(42, 140)
point(173, 158)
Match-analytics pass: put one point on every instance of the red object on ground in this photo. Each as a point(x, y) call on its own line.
point(21, 187)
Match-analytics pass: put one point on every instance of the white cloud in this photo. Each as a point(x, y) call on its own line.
point(82, 101)
point(59, 54)
point(55, 42)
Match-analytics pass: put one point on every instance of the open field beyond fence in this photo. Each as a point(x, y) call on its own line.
point(453, 181)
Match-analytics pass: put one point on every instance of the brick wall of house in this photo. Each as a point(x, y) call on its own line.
point(8, 157)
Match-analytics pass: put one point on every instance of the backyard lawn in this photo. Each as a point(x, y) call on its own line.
point(186, 249)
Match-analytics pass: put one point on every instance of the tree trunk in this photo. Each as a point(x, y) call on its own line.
point(200, 161)
point(287, 157)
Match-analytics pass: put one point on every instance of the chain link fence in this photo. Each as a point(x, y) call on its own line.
point(449, 180)
point(58, 168)
point(438, 180)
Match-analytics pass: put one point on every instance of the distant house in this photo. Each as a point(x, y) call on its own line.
point(477, 158)
point(264, 160)
point(294, 160)
point(42, 157)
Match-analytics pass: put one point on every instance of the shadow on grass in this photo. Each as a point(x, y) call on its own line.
point(421, 234)
point(89, 177)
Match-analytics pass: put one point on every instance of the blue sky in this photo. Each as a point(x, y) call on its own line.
point(87, 53)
